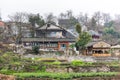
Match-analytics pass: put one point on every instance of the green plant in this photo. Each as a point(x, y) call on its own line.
point(58, 53)
point(56, 63)
point(43, 68)
point(35, 49)
point(77, 63)
point(81, 63)
point(6, 71)
point(63, 76)
point(89, 63)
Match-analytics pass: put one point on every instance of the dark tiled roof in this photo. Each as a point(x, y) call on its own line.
point(50, 27)
point(53, 27)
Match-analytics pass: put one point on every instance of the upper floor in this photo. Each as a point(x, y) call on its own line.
point(52, 31)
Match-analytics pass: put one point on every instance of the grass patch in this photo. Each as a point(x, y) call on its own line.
point(81, 63)
point(64, 75)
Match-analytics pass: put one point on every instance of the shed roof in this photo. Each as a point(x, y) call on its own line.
point(98, 44)
point(116, 46)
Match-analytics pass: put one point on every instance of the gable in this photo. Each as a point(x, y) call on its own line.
point(51, 26)
point(57, 29)
point(101, 44)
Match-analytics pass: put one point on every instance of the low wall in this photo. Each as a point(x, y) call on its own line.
point(65, 68)
point(82, 78)
point(83, 69)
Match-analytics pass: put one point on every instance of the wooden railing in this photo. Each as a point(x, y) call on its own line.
point(101, 55)
point(48, 39)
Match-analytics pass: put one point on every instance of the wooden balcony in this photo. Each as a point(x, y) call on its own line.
point(48, 39)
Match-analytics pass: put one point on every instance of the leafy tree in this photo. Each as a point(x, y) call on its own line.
point(72, 47)
point(78, 28)
point(67, 19)
point(110, 30)
point(36, 19)
point(73, 21)
point(93, 22)
point(35, 49)
point(84, 38)
point(109, 24)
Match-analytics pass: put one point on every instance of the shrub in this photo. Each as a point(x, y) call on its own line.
point(56, 63)
point(6, 71)
point(81, 63)
point(35, 49)
point(58, 53)
point(77, 63)
point(64, 76)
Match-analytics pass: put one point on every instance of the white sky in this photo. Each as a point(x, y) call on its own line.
point(57, 6)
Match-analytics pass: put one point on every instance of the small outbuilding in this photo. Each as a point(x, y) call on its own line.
point(98, 48)
point(115, 50)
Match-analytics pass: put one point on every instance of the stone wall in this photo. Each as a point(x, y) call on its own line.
point(82, 78)
point(83, 69)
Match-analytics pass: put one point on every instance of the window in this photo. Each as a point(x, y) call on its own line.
point(63, 45)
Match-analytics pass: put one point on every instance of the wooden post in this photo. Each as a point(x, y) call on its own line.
point(58, 46)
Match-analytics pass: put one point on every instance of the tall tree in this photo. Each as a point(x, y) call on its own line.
point(78, 28)
point(62, 16)
point(83, 19)
point(50, 18)
point(106, 19)
point(19, 18)
point(69, 13)
point(67, 19)
point(98, 17)
point(72, 20)
point(92, 24)
point(83, 39)
point(36, 19)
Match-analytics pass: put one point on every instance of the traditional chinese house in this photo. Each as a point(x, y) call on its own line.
point(98, 48)
point(50, 36)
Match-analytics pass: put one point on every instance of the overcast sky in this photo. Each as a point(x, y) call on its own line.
point(57, 6)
